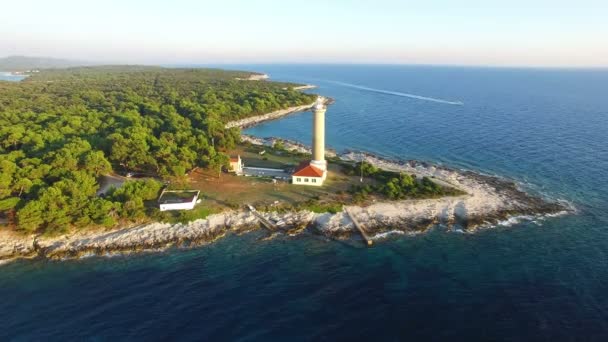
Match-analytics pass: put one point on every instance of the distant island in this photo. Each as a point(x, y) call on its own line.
point(21, 64)
point(86, 151)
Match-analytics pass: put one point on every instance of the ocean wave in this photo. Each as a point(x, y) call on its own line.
point(384, 235)
point(396, 93)
point(536, 219)
point(5, 261)
point(516, 220)
point(561, 213)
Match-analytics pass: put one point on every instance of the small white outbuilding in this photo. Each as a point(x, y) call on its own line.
point(178, 199)
point(236, 165)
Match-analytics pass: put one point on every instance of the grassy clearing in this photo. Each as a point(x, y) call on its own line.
point(342, 186)
point(272, 158)
point(231, 192)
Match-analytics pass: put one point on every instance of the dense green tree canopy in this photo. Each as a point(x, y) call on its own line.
point(62, 129)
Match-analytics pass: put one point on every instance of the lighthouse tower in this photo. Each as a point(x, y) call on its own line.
point(314, 172)
point(318, 135)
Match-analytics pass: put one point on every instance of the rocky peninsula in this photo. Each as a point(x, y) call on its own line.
point(489, 201)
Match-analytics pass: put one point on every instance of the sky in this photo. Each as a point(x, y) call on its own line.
point(465, 32)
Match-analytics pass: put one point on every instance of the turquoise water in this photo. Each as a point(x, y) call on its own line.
point(546, 129)
point(7, 76)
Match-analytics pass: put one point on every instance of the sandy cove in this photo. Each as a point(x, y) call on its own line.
point(489, 201)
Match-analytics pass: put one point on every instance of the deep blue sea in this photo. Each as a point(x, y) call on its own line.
point(545, 128)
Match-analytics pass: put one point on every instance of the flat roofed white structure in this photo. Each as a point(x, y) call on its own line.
point(178, 199)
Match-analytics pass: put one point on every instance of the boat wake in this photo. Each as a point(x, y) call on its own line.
point(396, 93)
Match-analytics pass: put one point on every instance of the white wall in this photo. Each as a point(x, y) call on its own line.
point(177, 206)
point(313, 181)
point(236, 167)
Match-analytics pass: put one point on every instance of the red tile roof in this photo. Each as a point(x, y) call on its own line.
point(307, 170)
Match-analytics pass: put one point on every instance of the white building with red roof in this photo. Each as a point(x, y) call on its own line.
point(236, 165)
point(308, 174)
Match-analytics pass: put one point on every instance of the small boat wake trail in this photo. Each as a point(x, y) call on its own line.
point(396, 93)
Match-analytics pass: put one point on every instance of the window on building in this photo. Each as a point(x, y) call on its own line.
point(298, 179)
point(305, 180)
point(314, 180)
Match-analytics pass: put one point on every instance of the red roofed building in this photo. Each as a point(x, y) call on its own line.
point(236, 165)
point(308, 174)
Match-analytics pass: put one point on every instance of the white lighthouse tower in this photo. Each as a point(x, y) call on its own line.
point(318, 135)
point(315, 171)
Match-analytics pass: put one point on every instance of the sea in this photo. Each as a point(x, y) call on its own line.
point(8, 76)
point(524, 280)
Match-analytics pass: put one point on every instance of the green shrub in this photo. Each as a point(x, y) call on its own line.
point(316, 207)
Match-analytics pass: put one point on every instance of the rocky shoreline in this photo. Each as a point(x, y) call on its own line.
point(489, 201)
point(255, 120)
point(305, 87)
point(254, 77)
point(289, 145)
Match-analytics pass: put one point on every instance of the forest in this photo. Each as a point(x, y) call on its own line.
point(62, 129)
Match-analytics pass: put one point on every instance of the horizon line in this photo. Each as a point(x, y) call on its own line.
point(336, 63)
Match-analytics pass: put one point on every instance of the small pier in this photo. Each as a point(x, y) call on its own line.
point(267, 224)
point(366, 237)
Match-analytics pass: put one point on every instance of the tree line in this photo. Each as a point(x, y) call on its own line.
point(60, 130)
